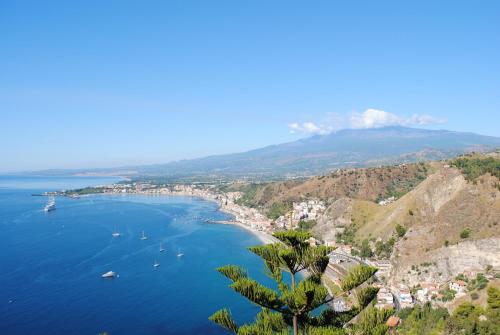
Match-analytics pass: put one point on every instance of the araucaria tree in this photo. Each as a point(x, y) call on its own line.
point(293, 306)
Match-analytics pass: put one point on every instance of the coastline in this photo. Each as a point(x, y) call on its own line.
point(264, 237)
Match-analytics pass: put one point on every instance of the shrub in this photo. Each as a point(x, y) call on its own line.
point(400, 230)
point(465, 233)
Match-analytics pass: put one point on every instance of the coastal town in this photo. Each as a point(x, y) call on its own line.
point(390, 294)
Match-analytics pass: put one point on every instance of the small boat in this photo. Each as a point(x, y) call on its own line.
point(179, 254)
point(161, 248)
point(143, 237)
point(156, 264)
point(116, 233)
point(109, 274)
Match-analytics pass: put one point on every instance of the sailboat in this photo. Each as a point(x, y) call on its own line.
point(156, 264)
point(143, 237)
point(179, 254)
point(161, 247)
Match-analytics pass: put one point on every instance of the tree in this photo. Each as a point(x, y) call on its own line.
point(292, 305)
point(365, 250)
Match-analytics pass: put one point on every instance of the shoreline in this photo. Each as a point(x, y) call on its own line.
point(262, 236)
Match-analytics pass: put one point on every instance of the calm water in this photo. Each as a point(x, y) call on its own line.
point(51, 263)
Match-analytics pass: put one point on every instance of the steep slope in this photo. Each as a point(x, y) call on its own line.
point(452, 225)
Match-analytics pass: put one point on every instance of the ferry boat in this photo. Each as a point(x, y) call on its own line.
point(51, 205)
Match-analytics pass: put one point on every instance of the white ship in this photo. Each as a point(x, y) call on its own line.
point(109, 274)
point(51, 205)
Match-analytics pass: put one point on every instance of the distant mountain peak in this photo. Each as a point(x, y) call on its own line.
point(322, 153)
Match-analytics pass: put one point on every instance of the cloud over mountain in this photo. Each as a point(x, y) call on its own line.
point(374, 118)
point(370, 118)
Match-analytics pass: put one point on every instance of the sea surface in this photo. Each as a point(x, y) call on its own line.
point(51, 263)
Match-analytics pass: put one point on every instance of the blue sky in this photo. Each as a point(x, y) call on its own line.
point(111, 83)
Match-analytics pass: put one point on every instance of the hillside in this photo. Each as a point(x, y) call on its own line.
point(450, 212)
point(318, 155)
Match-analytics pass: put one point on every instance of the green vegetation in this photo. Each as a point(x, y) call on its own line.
point(365, 251)
point(307, 225)
point(292, 307)
point(479, 283)
point(372, 322)
point(384, 250)
point(467, 319)
point(423, 320)
point(448, 294)
point(400, 230)
point(465, 233)
point(278, 209)
point(474, 167)
point(348, 235)
point(249, 193)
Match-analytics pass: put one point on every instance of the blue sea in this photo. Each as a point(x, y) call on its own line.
point(51, 263)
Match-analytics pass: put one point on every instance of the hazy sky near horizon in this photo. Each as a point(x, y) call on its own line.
point(113, 83)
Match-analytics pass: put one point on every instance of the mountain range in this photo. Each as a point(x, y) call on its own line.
point(319, 154)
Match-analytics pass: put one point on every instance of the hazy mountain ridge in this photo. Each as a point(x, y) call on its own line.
point(319, 154)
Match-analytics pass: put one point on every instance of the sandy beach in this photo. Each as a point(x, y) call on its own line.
point(264, 237)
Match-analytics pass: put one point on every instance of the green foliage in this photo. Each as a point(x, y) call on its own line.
point(423, 320)
point(472, 168)
point(357, 275)
point(465, 233)
point(348, 235)
point(293, 304)
point(249, 193)
point(366, 295)
point(307, 225)
point(365, 250)
point(278, 209)
point(400, 230)
point(448, 294)
point(384, 250)
point(465, 320)
point(479, 283)
point(372, 321)
point(224, 319)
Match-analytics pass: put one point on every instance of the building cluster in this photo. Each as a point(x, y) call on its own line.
point(307, 210)
point(393, 297)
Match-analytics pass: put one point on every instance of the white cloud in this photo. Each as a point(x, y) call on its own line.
point(374, 118)
point(309, 128)
point(370, 118)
